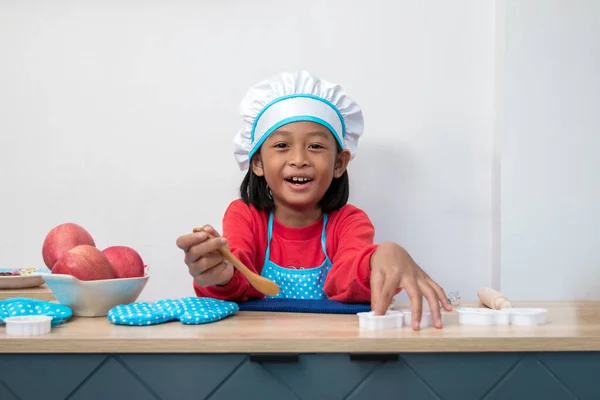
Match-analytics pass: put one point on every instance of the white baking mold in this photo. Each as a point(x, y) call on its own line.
point(28, 325)
point(426, 318)
point(391, 320)
point(528, 316)
point(507, 316)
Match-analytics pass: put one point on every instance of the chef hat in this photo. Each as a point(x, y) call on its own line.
point(293, 97)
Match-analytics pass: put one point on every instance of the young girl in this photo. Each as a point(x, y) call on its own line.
point(293, 224)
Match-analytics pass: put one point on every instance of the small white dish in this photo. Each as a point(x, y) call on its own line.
point(391, 320)
point(475, 316)
point(28, 325)
point(502, 317)
point(507, 316)
point(426, 318)
point(528, 316)
point(483, 316)
point(95, 298)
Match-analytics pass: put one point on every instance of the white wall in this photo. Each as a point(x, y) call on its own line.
point(120, 117)
point(550, 166)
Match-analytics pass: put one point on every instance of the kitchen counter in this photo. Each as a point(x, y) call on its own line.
point(572, 326)
point(283, 355)
point(42, 292)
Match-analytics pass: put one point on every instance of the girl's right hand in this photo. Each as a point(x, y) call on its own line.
point(205, 263)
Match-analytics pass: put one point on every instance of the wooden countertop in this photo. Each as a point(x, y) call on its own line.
point(42, 292)
point(572, 326)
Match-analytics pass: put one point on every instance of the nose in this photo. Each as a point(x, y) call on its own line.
point(298, 157)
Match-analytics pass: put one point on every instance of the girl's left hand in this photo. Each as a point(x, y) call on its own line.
point(393, 268)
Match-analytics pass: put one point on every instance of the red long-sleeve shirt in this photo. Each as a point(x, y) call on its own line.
point(349, 246)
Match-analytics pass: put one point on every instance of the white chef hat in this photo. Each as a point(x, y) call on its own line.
point(291, 97)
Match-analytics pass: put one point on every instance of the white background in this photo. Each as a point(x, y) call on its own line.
point(482, 123)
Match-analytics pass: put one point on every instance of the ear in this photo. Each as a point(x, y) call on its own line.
point(341, 163)
point(257, 166)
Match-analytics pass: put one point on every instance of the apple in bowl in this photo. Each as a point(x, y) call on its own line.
point(94, 298)
point(63, 238)
point(89, 280)
point(124, 261)
point(85, 263)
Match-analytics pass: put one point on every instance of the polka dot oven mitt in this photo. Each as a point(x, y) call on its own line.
point(187, 310)
point(18, 306)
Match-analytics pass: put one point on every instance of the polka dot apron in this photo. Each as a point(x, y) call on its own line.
point(304, 283)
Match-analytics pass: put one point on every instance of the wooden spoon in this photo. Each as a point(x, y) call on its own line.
point(260, 283)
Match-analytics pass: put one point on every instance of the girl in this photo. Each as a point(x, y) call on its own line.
point(293, 224)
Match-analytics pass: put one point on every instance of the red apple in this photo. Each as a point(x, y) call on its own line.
point(125, 262)
point(61, 239)
point(85, 263)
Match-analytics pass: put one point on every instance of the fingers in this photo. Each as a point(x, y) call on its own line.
point(199, 246)
point(383, 290)
point(198, 235)
point(416, 301)
point(204, 248)
point(377, 305)
point(441, 294)
point(206, 228)
point(392, 268)
point(213, 275)
point(202, 257)
point(204, 263)
point(434, 304)
point(391, 282)
point(184, 242)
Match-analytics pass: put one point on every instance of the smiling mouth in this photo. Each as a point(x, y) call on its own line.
point(298, 180)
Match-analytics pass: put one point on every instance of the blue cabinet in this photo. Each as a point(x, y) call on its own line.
point(451, 376)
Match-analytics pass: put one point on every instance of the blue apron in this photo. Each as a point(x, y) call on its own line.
point(305, 283)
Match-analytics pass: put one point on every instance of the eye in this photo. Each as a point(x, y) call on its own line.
point(280, 145)
point(317, 147)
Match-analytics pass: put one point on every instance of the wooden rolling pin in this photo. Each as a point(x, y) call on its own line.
point(493, 299)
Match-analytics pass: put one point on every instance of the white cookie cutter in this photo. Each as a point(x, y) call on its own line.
point(482, 316)
point(507, 316)
point(426, 319)
point(391, 320)
point(28, 325)
point(528, 316)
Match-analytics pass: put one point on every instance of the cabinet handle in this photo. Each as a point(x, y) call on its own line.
point(275, 358)
point(374, 357)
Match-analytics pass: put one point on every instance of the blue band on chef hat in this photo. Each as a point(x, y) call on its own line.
point(296, 118)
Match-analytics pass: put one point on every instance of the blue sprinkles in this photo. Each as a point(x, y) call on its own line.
point(187, 310)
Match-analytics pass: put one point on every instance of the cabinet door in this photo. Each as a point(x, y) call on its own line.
point(448, 376)
point(321, 376)
point(473, 376)
point(46, 376)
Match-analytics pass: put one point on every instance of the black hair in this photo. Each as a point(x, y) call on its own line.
point(255, 191)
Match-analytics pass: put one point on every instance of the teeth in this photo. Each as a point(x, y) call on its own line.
point(299, 179)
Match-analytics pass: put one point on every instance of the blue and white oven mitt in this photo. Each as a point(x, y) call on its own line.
point(22, 306)
point(187, 310)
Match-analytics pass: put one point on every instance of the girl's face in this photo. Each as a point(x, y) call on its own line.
point(299, 161)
